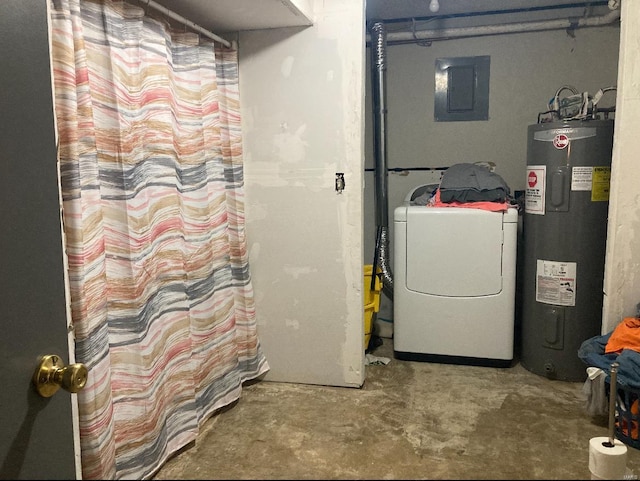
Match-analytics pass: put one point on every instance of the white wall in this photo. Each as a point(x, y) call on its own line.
point(302, 97)
point(305, 7)
point(622, 266)
point(526, 70)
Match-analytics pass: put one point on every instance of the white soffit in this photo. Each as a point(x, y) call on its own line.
point(223, 16)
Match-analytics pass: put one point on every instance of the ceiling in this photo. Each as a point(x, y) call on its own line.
point(224, 16)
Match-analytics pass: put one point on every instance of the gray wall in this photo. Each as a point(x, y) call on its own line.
point(526, 71)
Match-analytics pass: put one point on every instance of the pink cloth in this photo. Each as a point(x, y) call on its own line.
point(492, 206)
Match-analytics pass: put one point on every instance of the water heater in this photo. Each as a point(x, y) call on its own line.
point(564, 239)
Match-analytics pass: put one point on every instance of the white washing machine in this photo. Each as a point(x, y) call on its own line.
point(454, 284)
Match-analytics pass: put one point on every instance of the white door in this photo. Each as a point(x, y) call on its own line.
point(36, 433)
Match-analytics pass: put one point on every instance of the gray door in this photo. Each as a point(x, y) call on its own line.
point(36, 434)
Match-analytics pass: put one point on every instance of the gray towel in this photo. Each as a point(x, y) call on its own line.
point(472, 183)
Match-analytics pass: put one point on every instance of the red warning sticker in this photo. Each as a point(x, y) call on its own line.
point(535, 193)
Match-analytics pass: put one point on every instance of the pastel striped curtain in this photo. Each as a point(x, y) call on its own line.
point(150, 153)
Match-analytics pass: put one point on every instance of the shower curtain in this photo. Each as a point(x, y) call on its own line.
point(149, 146)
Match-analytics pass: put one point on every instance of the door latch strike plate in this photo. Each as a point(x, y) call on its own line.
point(339, 182)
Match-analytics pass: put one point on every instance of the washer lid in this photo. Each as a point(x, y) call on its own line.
point(454, 252)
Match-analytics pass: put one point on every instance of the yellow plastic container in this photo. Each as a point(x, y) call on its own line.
point(368, 324)
point(371, 301)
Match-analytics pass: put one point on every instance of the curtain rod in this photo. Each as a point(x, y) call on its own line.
point(189, 23)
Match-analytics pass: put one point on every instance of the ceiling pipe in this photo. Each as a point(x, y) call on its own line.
point(463, 32)
point(187, 22)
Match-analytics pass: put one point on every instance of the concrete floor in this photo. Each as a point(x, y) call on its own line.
point(410, 420)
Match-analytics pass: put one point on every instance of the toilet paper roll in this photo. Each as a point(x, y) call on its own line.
point(606, 461)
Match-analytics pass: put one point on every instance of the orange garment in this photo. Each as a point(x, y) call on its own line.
point(624, 424)
point(626, 335)
point(485, 205)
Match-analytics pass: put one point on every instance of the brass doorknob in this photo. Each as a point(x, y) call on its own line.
point(51, 375)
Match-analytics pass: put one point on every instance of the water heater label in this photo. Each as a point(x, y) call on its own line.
point(556, 282)
point(601, 184)
point(534, 193)
point(581, 178)
point(561, 137)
